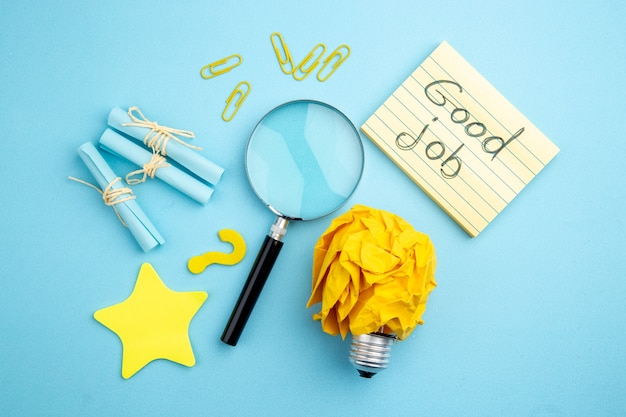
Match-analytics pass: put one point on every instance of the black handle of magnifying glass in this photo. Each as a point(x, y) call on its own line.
point(252, 289)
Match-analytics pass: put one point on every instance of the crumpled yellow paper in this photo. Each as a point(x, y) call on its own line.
point(372, 270)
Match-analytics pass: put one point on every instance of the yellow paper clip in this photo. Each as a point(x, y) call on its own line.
point(300, 68)
point(336, 53)
point(240, 95)
point(220, 66)
point(285, 51)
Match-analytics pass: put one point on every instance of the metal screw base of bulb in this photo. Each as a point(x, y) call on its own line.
point(370, 353)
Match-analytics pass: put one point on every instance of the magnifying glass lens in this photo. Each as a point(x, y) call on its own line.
point(304, 159)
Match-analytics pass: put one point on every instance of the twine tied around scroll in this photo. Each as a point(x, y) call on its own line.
point(158, 136)
point(110, 195)
point(148, 170)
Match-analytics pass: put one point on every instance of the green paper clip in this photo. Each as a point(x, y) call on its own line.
point(285, 51)
point(220, 66)
point(336, 53)
point(300, 68)
point(240, 95)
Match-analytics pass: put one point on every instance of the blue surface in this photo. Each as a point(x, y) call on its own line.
point(529, 318)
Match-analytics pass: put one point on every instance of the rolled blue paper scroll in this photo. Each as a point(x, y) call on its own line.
point(142, 229)
point(185, 183)
point(190, 159)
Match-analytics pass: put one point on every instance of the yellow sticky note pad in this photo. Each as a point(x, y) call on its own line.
point(153, 322)
point(459, 139)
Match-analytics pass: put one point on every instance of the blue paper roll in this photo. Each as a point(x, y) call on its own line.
point(142, 229)
point(189, 158)
point(119, 145)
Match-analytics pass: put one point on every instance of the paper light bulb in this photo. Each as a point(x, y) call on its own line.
point(372, 273)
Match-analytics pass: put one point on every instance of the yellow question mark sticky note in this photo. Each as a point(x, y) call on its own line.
point(198, 264)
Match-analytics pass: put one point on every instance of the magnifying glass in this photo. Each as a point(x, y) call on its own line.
point(304, 159)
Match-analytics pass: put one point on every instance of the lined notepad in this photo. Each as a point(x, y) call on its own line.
point(459, 139)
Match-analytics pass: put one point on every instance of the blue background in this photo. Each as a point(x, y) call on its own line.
point(528, 318)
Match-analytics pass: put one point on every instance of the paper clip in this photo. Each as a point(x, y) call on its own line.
point(277, 50)
point(336, 53)
point(241, 95)
point(300, 68)
point(220, 66)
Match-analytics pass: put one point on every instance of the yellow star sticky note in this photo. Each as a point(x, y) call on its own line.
point(153, 322)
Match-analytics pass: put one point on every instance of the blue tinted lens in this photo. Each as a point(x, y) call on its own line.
point(304, 159)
